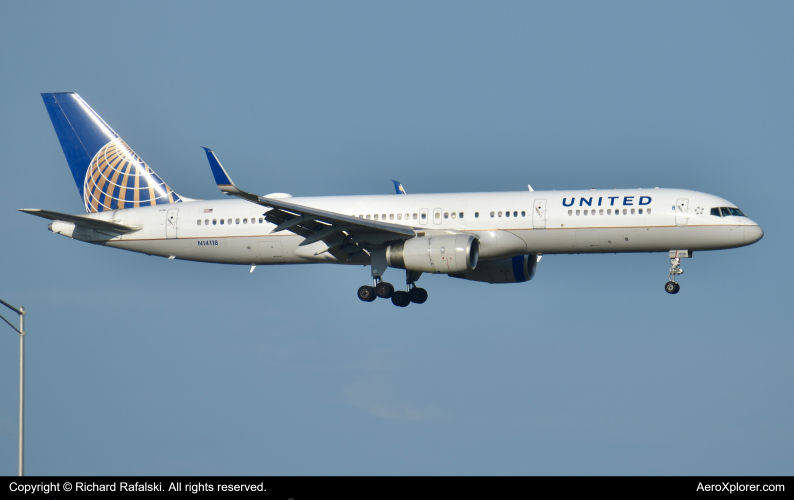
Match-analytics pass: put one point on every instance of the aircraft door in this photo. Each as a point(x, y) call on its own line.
point(423, 216)
point(437, 216)
point(171, 219)
point(681, 211)
point(539, 214)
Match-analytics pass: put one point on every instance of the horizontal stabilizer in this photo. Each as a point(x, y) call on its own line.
point(79, 219)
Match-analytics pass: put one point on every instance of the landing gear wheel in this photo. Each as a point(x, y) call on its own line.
point(418, 295)
point(367, 293)
point(384, 290)
point(400, 299)
point(672, 287)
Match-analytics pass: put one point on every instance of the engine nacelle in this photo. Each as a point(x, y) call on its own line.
point(513, 270)
point(449, 253)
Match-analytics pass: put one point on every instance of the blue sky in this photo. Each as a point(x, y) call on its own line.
point(140, 365)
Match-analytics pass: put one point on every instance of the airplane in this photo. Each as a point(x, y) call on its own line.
point(486, 237)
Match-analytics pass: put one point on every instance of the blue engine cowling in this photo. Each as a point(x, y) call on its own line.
point(513, 270)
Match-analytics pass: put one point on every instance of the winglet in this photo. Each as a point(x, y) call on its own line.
point(223, 180)
point(398, 187)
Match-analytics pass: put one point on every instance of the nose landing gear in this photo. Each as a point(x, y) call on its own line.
point(671, 286)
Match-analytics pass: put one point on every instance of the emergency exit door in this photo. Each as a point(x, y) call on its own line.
point(539, 214)
point(171, 219)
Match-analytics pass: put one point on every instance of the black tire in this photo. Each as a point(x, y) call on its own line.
point(400, 299)
point(418, 295)
point(677, 288)
point(367, 293)
point(671, 287)
point(384, 290)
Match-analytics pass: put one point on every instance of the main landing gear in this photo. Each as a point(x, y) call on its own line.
point(675, 269)
point(399, 298)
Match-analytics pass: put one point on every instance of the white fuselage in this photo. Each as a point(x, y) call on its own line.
point(233, 231)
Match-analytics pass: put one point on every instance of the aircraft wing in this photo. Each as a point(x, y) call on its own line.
point(78, 219)
point(339, 231)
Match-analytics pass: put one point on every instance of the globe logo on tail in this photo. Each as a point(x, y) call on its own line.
point(117, 178)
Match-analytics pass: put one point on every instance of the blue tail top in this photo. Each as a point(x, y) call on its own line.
point(108, 173)
point(398, 187)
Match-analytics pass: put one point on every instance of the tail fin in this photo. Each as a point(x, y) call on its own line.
point(108, 173)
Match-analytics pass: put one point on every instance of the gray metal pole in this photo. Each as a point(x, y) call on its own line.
point(22, 391)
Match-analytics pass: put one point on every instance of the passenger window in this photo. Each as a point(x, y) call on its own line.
point(408, 216)
point(523, 214)
point(585, 212)
point(632, 211)
point(221, 222)
point(414, 217)
point(476, 215)
point(625, 211)
point(230, 221)
point(460, 215)
point(375, 217)
point(570, 212)
point(515, 214)
point(437, 215)
point(609, 211)
point(199, 222)
point(424, 216)
point(399, 216)
point(453, 215)
point(245, 221)
point(648, 211)
point(491, 214)
point(639, 211)
point(500, 214)
point(592, 212)
point(601, 212)
point(446, 215)
point(368, 216)
point(383, 217)
point(391, 216)
point(213, 222)
point(507, 214)
point(236, 220)
point(260, 220)
point(577, 212)
point(207, 222)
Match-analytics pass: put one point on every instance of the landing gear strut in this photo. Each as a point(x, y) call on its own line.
point(386, 290)
point(675, 269)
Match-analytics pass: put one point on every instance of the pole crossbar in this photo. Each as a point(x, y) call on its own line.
point(18, 311)
point(9, 324)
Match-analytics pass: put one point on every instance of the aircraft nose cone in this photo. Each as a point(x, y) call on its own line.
point(752, 234)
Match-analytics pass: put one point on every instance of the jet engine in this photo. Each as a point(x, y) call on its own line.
point(513, 270)
point(449, 253)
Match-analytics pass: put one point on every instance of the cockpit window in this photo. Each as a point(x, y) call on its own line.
point(727, 212)
point(735, 211)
